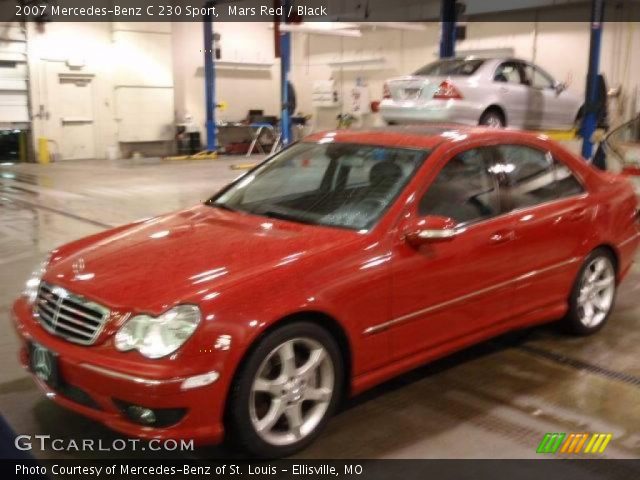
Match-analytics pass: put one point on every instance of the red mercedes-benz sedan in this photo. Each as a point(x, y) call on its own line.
point(342, 261)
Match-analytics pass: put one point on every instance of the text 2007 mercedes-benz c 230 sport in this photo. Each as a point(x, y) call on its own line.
point(336, 264)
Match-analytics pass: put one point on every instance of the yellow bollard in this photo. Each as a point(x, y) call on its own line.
point(43, 151)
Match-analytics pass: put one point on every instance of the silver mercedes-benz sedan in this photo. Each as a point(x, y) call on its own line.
point(497, 92)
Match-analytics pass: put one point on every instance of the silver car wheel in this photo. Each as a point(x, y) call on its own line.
point(493, 121)
point(597, 290)
point(291, 391)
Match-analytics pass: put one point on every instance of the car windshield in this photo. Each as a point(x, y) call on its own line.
point(335, 184)
point(456, 66)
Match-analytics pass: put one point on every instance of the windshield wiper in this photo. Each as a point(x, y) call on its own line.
point(285, 216)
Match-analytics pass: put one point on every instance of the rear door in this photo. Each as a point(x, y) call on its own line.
point(445, 291)
point(535, 106)
point(512, 92)
point(555, 110)
point(549, 208)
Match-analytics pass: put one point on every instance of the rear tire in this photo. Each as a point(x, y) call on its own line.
point(577, 123)
point(492, 118)
point(286, 391)
point(593, 295)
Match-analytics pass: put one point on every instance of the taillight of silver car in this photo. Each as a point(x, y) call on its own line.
point(386, 92)
point(447, 91)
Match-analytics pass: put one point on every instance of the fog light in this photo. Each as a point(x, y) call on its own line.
point(200, 380)
point(141, 414)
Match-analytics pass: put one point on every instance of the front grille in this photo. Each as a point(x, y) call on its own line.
point(68, 315)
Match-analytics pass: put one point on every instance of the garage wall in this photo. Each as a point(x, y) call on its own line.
point(137, 79)
point(13, 77)
point(241, 87)
point(559, 47)
point(56, 56)
point(120, 76)
point(143, 84)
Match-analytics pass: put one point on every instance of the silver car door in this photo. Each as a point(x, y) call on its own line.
point(534, 116)
point(554, 106)
point(511, 92)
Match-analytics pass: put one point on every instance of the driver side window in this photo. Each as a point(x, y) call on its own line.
point(464, 190)
point(508, 72)
point(536, 78)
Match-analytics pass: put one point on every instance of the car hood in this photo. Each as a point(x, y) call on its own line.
point(155, 264)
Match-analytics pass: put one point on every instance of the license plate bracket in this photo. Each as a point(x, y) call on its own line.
point(412, 93)
point(43, 363)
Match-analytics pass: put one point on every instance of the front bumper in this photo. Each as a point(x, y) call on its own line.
point(97, 386)
point(450, 111)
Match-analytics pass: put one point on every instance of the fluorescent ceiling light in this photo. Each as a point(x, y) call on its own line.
point(330, 25)
point(413, 26)
point(340, 29)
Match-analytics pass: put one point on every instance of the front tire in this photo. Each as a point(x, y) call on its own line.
point(286, 391)
point(593, 294)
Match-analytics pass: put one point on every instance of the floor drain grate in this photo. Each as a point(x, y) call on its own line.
point(580, 365)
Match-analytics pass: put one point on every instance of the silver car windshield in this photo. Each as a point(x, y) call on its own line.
point(456, 66)
point(335, 184)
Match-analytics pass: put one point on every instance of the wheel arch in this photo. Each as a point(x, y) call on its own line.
point(322, 319)
point(615, 255)
point(497, 108)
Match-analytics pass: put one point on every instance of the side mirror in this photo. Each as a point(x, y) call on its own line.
point(559, 87)
point(431, 229)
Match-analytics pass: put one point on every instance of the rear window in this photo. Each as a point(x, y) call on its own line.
point(456, 66)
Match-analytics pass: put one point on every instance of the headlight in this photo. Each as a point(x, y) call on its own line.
point(156, 337)
point(31, 287)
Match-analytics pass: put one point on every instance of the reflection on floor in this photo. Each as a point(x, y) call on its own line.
point(496, 400)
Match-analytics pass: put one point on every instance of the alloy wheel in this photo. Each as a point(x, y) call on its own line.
point(291, 391)
point(597, 291)
point(493, 121)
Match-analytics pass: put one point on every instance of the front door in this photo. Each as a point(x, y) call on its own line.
point(449, 289)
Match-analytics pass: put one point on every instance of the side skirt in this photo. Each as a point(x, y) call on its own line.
point(370, 379)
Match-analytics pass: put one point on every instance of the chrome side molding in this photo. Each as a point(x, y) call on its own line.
point(409, 316)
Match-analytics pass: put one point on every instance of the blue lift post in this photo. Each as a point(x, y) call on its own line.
point(285, 67)
point(210, 80)
point(448, 29)
point(590, 119)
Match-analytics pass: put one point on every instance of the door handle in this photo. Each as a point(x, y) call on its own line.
point(502, 236)
point(504, 90)
point(577, 214)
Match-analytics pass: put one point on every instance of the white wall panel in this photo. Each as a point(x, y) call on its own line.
point(241, 89)
point(142, 59)
point(144, 114)
point(13, 108)
point(13, 76)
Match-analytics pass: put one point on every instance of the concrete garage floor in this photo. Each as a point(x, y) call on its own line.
point(496, 400)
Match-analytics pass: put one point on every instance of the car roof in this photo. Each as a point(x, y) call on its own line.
point(418, 136)
point(488, 57)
